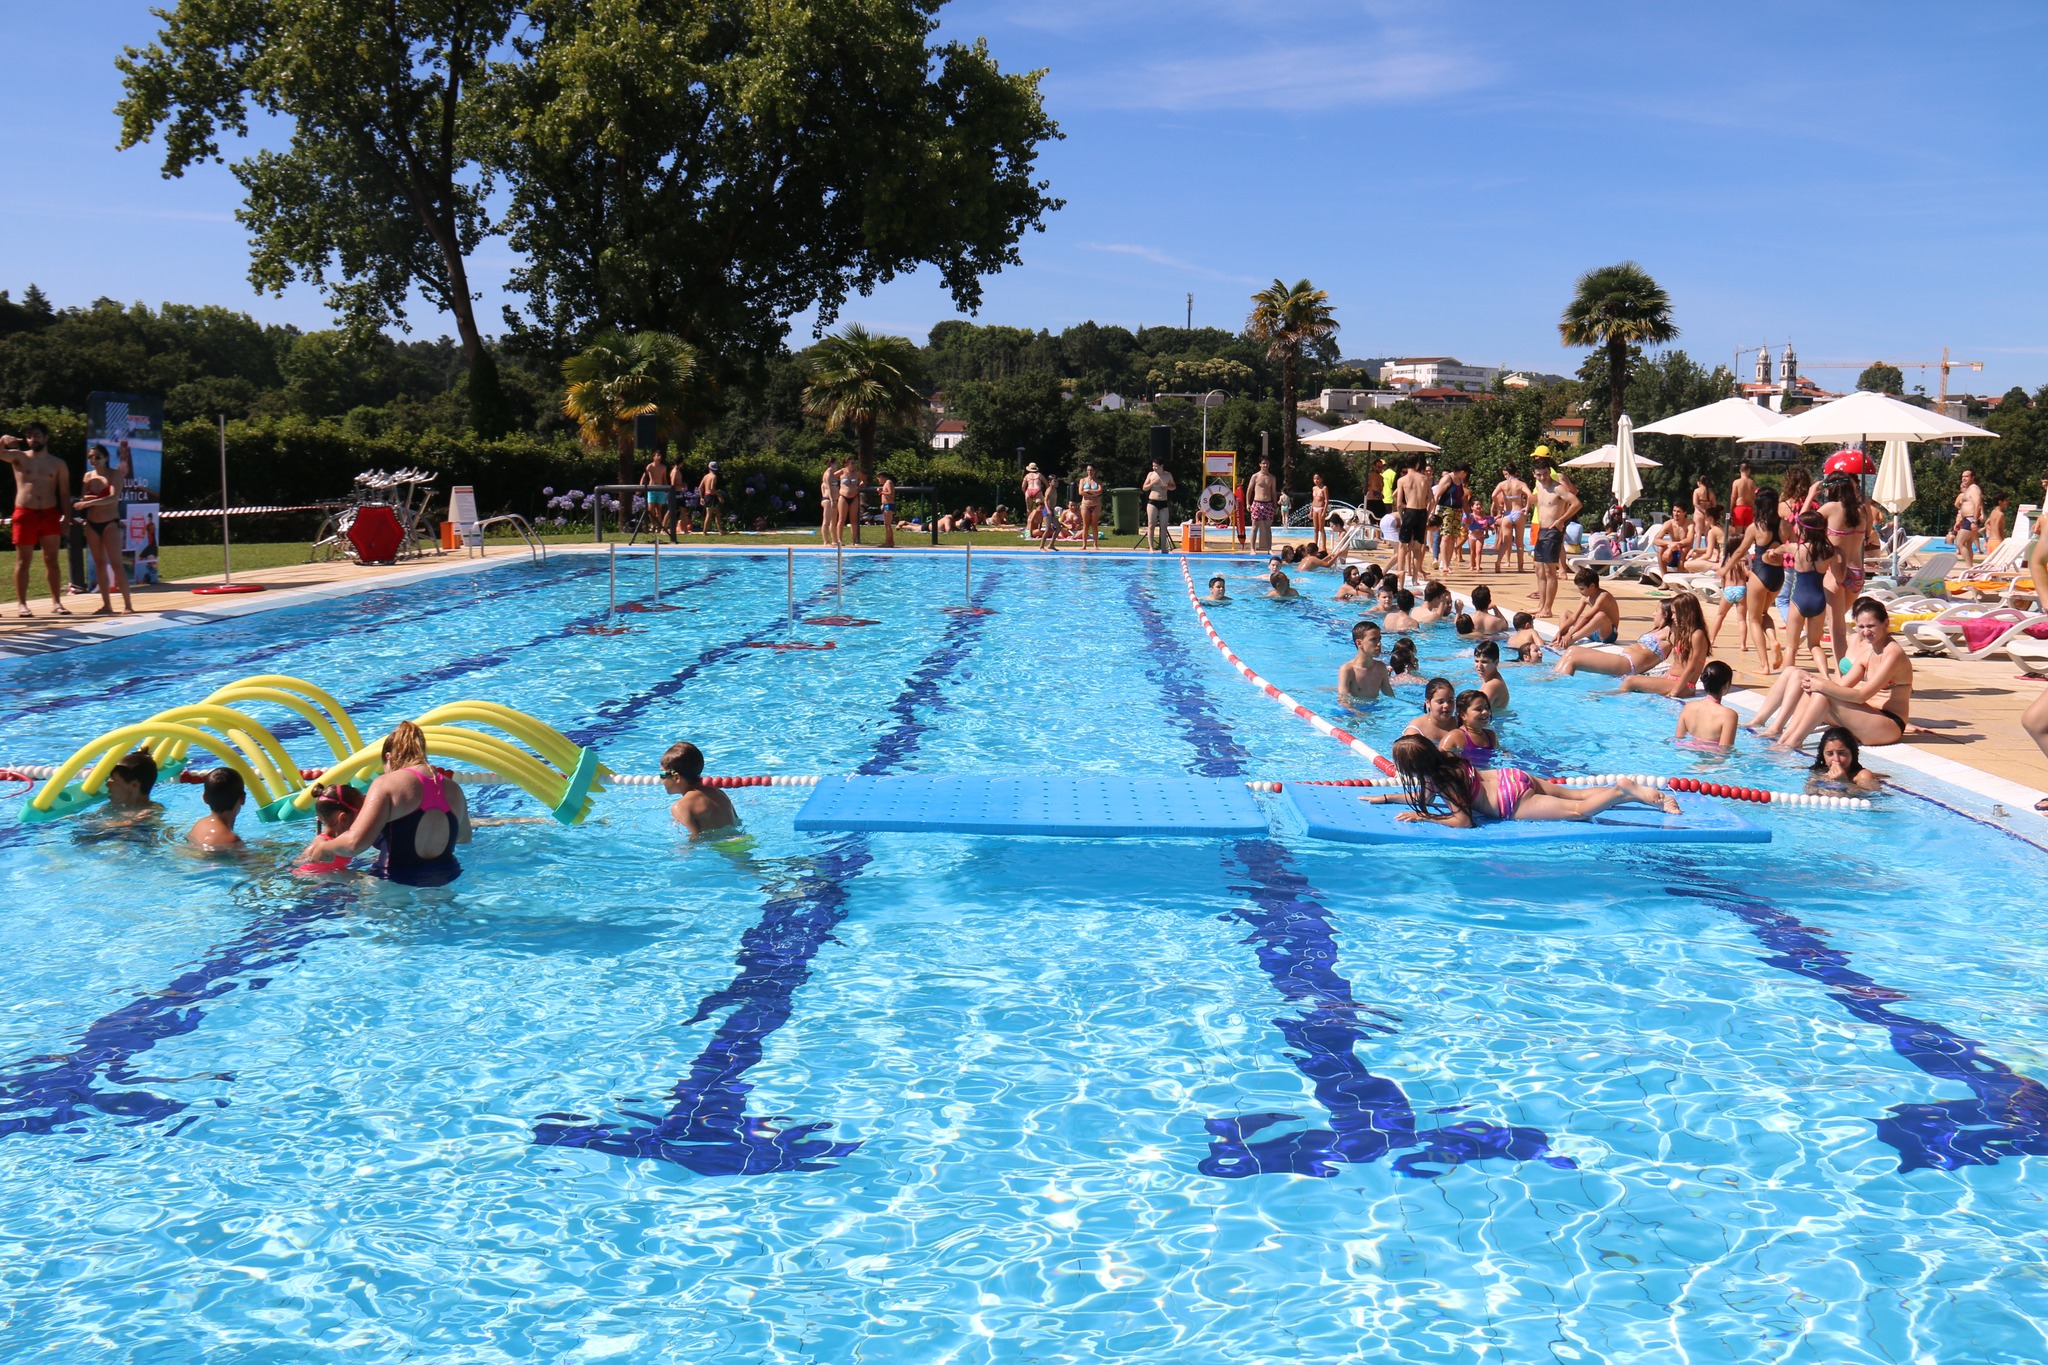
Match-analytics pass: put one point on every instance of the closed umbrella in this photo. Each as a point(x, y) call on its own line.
point(1894, 491)
point(1628, 480)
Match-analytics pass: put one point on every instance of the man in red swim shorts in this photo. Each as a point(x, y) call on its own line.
point(1742, 499)
point(42, 508)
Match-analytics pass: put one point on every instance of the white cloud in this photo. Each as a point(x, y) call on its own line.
point(1383, 68)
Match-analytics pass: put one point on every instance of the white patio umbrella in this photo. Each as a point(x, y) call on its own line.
point(1731, 418)
point(1370, 435)
point(1628, 479)
point(1894, 491)
point(1604, 457)
point(1867, 417)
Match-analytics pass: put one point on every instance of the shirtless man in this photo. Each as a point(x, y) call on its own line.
point(1742, 500)
point(1708, 719)
point(1318, 510)
point(887, 493)
point(1158, 493)
point(1706, 508)
point(42, 509)
point(1049, 516)
point(1875, 700)
point(697, 808)
point(1364, 677)
point(1090, 489)
point(1412, 497)
point(1672, 540)
point(1033, 484)
point(1557, 502)
point(1969, 518)
point(655, 479)
point(1263, 490)
point(1596, 620)
point(712, 500)
point(828, 503)
point(1511, 518)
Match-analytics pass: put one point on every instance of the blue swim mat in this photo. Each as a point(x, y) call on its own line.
point(1337, 813)
point(1075, 807)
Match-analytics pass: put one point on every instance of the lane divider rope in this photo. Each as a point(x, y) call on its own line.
point(1344, 737)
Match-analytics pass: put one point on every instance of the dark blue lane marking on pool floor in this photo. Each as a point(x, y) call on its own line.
point(2007, 1117)
point(44, 1094)
point(1370, 1116)
point(707, 1129)
point(63, 1083)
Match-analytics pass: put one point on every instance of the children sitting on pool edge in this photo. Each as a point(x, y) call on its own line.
point(215, 831)
point(698, 808)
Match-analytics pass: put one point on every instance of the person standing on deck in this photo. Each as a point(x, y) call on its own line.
point(655, 479)
point(1090, 489)
point(1557, 502)
point(1969, 518)
point(1411, 507)
point(1263, 492)
point(713, 500)
point(1742, 499)
point(42, 509)
point(1511, 519)
point(828, 503)
point(887, 493)
point(1159, 488)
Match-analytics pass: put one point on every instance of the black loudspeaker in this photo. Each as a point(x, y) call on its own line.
point(647, 433)
point(1162, 443)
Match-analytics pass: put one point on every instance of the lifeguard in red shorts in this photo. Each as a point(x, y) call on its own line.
point(42, 507)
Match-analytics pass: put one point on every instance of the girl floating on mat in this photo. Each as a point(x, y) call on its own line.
point(1429, 775)
point(1474, 740)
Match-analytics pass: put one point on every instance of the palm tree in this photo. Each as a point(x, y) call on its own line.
point(619, 378)
point(1617, 306)
point(1288, 319)
point(861, 381)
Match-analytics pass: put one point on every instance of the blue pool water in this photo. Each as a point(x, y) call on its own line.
point(911, 1098)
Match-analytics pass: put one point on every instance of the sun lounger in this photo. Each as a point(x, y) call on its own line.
point(1969, 634)
point(1925, 581)
point(2030, 652)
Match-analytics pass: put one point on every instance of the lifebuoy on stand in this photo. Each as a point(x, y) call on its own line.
point(1216, 504)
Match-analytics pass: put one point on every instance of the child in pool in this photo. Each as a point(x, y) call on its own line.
point(214, 832)
point(1474, 740)
point(1429, 775)
point(1486, 663)
point(698, 808)
point(1439, 718)
point(1398, 620)
point(1525, 642)
point(1218, 590)
point(1437, 604)
point(335, 808)
point(1364, 678)
point(1281, 587)
point(1485, 620)
point(1708, 720)
point(1404, 663)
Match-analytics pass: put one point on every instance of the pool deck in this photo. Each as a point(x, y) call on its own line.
point(1964, 713)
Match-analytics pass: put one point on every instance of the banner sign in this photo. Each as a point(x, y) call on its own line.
point(462, 512)
point(130, 428)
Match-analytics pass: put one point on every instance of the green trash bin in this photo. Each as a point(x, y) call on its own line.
point(1123, 512)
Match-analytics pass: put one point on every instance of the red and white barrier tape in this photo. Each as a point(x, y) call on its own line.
point(1344, 737)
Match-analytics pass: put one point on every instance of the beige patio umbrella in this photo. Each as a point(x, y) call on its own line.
point(1604, 458)
point(1731, 419)
point(1894, 491)
point(1370, 435)
point(1867, 417)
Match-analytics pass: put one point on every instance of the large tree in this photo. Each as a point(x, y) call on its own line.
point(1617, 307)
point(377, 192)
point(1882, 378)
point(1288, 319)
point(862, 381)
point(715, 169)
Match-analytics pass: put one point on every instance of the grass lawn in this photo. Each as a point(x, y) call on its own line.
point(195, 561)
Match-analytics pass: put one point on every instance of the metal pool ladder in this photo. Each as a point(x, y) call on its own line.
point(536, 548)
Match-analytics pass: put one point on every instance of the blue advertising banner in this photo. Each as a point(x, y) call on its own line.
point(130, 428)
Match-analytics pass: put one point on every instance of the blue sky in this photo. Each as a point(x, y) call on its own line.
point(1863, 179)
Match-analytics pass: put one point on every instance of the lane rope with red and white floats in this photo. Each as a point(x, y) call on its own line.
point(1342, 736)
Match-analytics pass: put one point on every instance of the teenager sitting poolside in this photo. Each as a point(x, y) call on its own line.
point(1469, 794)
point(1689, 648)
point(1875, 700)
point(1597, 618)
point(1643, 654)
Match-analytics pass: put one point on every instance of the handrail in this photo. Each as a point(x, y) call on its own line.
point(536, 548)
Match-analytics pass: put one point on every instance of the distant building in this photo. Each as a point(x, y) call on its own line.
point(937, 403)
point(1789, 391)
point(1109, 402)
point(950, 433)
point(1309, 426)
point(1438, 372)
point(1566, 431)
point(1201, 400)
point(1441, 396)
point(1347, 400)
point(1529, 379)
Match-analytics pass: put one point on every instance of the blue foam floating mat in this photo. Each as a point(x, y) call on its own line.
point(1073, 807)
point(1336, 813)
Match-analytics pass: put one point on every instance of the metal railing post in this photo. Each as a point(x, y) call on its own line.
point(614, 557)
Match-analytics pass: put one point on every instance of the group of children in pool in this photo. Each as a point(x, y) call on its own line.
point(1445, 755)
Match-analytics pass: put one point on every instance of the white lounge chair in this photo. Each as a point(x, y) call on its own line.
point(1925, 581)
point(1945, 634)
point(2029, 653)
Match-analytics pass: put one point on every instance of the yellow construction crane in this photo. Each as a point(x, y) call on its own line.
point(1944, 365)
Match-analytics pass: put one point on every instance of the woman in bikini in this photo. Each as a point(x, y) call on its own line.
point(1849, 521)
point(1428, 775)
point(100, 499)
point(1439, 718)
point(1639, 656)
point(1689, 649)
point(1765, 534)
point(828, 504)
point(414, 815)
point(1874, 701)
point(1090, 489)
point(849, 501)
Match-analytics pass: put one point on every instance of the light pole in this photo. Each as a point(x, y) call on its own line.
point(1217, 393)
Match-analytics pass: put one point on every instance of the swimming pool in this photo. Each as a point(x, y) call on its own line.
point(924, 1098)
